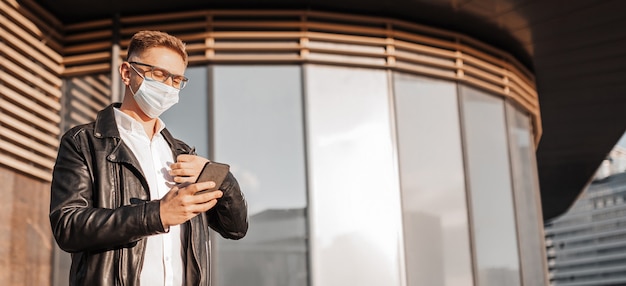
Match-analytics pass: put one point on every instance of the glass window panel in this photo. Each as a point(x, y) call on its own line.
point(354, 191)
point(493, 219)
point(81, 103)
point(437, 247)
point(527, 199)
point(188, 119)
point(259, 132)
point(83, 97)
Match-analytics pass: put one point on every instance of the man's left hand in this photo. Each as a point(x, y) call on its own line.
point(187, 168)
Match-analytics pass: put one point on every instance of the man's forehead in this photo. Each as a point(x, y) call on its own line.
point(156, 52)
point(160, 56)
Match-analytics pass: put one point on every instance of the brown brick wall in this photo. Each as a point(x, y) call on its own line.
point(25, 237)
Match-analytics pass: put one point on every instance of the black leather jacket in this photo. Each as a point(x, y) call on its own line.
point(101, 210)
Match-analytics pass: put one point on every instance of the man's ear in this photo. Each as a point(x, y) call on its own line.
point(125, 73)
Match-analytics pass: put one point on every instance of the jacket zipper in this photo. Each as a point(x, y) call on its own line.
point(207, 244)
point(117, 193)
point(116, 203)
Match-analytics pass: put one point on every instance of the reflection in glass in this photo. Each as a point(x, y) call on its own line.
point(354, 193)
point(83, 97)
point(258, 131)
point(188, 119)
point(433, 182)
point(487, 157)
point(526, 190)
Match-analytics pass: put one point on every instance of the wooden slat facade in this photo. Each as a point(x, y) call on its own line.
point(223, 36)
point(34, 74)
point(31, 67)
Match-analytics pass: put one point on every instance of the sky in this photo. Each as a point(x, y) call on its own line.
point(622, 141)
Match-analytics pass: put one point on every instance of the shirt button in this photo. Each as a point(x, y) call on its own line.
point(98, 135)
point(112, 157)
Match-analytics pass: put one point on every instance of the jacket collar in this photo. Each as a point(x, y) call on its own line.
point(105, 122)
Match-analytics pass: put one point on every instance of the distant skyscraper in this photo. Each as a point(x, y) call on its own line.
point(587, 245)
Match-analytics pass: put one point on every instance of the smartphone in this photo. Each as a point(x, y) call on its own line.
point(213, 171)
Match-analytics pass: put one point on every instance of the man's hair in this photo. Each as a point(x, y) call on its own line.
point(144, 40)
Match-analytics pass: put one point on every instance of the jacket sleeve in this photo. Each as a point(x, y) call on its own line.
point(229, 217)
point(77, 224)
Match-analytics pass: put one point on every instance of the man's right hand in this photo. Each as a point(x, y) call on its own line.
point(181, 203)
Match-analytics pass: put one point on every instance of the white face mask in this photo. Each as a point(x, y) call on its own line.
point(155, 97)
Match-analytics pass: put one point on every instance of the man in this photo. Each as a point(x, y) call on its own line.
point(124, 199)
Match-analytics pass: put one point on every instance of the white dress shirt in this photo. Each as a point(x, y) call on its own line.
point(163, 261)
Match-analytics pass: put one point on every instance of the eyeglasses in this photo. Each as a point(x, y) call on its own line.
point(161, 75)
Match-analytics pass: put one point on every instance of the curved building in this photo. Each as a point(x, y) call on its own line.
point(378, 143)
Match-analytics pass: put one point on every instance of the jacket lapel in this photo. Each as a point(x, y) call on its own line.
point(105, 128)
point(177, 146)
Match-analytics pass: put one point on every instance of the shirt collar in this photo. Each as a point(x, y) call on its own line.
point(129, 124)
